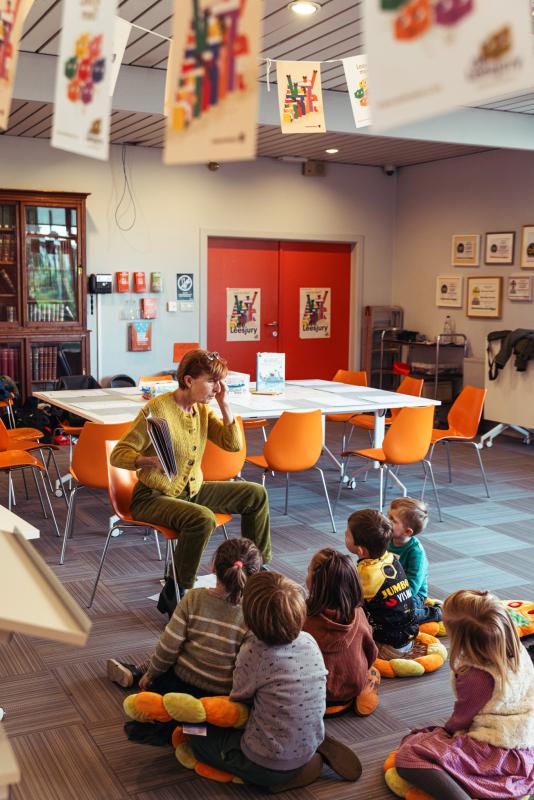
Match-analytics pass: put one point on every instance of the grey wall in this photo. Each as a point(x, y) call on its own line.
point(175, 203)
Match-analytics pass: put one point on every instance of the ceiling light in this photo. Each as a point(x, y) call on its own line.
point(304, 8)
point(332, 150)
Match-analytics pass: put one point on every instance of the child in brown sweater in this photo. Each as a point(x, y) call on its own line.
point(337, 622)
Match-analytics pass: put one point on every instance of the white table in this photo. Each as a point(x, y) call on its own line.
point(123, 405)
point(10, 523)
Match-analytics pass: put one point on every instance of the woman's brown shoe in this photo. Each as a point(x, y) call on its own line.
point(305, 775)
point(341, 759)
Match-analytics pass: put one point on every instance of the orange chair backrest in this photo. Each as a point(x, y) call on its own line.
point(89, 461)
point(408, 438)
point(412, 386)
point(295, 442)
point(155, 378)
point(121, 483)
point(181, 348)
point(219, 464)
point(466, 411)
point(4, 437)
point(349, 376)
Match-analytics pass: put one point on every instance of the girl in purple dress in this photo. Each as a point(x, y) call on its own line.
point(486, 748)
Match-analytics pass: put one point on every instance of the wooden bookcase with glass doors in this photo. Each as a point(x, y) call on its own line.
point(43, 322)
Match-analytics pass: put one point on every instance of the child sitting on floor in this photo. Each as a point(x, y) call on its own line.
point(281, 672)
point(409, 518)
point(486, 748)
point(388, 600)
point(197, 650)
point(337, 622)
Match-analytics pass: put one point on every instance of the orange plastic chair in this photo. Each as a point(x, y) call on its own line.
point(221, 465)
point(10, 441)
point(408, 385)
point(89, 466)
point(294, 445)
point(354, 379)
point(463, 420)
point(155, 378)
point(406, 442)
point(121, 484)
point(20, 460)
point(8, 405)
point(181, 348)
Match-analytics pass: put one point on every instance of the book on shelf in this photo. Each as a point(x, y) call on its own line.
point(270, 373)
point(159, 434)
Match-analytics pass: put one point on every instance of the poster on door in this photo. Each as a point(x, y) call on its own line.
point(243, 308)
point(315, 313)
point(211, 98)
point(356, 76)
point(426, 57)
point(300, 97)
point(12, 16)
point(82, 101)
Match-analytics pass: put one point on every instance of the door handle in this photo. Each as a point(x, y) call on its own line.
point(271, 324)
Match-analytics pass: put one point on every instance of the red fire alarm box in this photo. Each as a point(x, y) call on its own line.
point(123, 281)
point(139, 282)
point(140, 335)
point(149, 308)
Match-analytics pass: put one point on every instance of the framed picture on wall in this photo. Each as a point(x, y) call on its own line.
point(465, 250)
point(449, 291)
point(527, 247)
point(519, 288)
point(484, 297)
point(500, 248)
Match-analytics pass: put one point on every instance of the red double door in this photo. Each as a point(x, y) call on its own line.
point(280, 270)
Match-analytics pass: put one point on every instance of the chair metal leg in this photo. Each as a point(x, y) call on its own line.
point(381, 488)
point(321, 473)
point(395, 478)
point(49, 502)
point(428, 466)
point(448, 451)
point(263, 479)
point(158, 548)
point(344, 465)
point(59, 482)
point(287, 493)
point(225, 532)
point(46, 470)
point(173, 565)
point(9, 489)
point(330, 454)
point(481, 465)
point(108, 539)
point(39, 492)
point(69, 523)
point(264, 433)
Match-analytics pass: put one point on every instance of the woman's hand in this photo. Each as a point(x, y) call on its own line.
point(221, 396)
point(149, 462)
point(144, 682)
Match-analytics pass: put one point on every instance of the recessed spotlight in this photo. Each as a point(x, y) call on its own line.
point(332, 150)
point(304, 8)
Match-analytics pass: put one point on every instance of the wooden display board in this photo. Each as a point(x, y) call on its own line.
point(32, 599)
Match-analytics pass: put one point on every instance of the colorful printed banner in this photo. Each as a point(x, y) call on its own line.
point(356, 77)
point(12, 16)
point(428, 57)
point(82, 99)
point(243, 314)
point(121, 34)
point(300, 96)
point(212, 90)
point(315, 316)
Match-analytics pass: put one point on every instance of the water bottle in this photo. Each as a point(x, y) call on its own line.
point(446, 336)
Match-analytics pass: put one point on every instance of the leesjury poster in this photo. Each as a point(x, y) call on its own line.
point(300, 98)
point(12, 16)
point(243, 315)
point(82, 103)
point(356, 76)
point(429, 57)
point(211, 98)
point(315, 313)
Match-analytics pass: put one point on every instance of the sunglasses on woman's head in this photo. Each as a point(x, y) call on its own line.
point(213, 355)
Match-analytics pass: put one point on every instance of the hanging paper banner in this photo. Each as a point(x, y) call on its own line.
point(356, 77)
point(426, 57)
point(212, 100)
point(315, 316)
point(243, 315)
point(82, 97)
point(121, 34)
point(300, 96)
point(12, 16)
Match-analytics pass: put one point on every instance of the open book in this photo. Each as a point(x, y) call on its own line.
point(160, 436)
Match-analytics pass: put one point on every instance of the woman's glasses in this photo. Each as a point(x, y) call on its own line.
point(212, 355)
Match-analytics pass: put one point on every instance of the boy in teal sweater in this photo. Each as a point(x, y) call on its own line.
point(409, 518)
